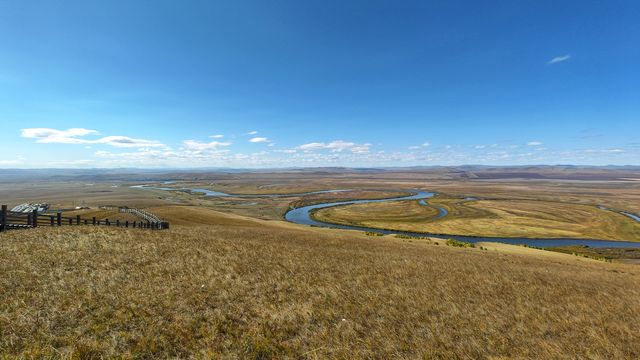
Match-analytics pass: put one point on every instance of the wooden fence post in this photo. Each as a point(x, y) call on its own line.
point(94, 220)
point(29, 215)
point(52, 221)
point(85, 221)
point(118, 223)
point(34, 222)
point(70, 221)
point(126, 224)
point(59, 222)
point(3, 218)
point(77, 219)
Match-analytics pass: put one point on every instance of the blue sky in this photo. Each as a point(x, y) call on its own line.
point(318, 83)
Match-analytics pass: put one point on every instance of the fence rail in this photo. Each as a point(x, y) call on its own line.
point(18, 220)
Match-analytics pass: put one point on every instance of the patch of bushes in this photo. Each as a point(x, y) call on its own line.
point(600, 258)
point(373, 233)
point(403, 236)
point(458, 243)
point(532, 247)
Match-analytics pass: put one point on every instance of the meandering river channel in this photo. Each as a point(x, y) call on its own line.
point(303, 215)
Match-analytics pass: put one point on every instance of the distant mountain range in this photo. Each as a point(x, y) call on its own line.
point(470, 172)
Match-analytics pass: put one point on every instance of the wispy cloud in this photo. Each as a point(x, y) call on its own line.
point(336, 146)
point(69, 136)
point(193, 145)
point(252, 132)
point(610, 151)
point(216, 136)
point(127, 142)
point(421, 146)
point(559, 59)
point(534, 143)
point(76, 136)
point(259, 140)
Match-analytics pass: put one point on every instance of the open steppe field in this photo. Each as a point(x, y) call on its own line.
point(231, 279)
point(497, 218)
point(222, 285)
point(66, 195)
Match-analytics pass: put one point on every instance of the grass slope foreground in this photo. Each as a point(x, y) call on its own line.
point(246, 288)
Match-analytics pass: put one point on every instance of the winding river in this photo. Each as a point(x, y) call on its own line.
point(206, 192)
point(303, 215)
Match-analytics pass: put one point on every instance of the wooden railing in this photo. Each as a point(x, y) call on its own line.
point(18, 220)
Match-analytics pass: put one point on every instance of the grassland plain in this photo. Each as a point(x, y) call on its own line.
point(247, 288)
point(510, 218)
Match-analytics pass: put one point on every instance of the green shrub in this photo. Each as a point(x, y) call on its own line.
point(458, 243)
point(403, 236)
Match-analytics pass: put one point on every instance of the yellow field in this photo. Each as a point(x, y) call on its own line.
point(509, 218)
point(222, 285)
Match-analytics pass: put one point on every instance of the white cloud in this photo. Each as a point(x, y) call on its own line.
point(417, 147)
point(534, 143)
point(339, 145)
point(360, 149)
point(312, 146)
point(217, 136)
point(127, 142)
point(69, 136)
point(286, 151)
point(336, 146)
point(259, 140)
point(611, 151)
point(559, 59)
point(193, 145)
point(74, 136)
point(252, 132)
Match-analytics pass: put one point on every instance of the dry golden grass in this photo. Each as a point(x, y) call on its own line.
point(346, 196)
point(382, 215)
point(245, 288)
point(102, 214)
point(510, 218)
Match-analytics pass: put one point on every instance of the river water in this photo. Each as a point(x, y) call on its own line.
point(302, 215)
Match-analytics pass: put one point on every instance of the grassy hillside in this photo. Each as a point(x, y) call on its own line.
point(246, 288)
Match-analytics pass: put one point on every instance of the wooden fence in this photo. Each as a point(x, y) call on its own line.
point(18, 220)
